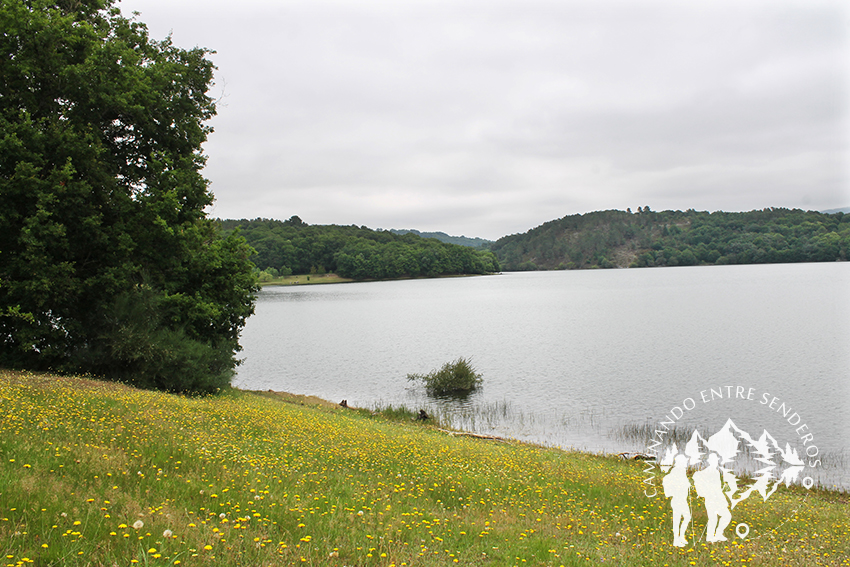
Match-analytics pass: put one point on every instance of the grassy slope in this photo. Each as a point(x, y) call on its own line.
point(256, 479)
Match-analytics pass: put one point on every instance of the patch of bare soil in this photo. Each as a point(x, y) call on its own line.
point(624, 256)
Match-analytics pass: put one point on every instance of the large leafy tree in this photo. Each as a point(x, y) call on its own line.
point(108, 263)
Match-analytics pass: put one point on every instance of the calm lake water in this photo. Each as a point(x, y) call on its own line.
point(581, 359)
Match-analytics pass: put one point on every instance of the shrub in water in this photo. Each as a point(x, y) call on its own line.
point(454, 377)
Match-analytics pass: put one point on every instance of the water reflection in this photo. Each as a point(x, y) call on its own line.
point(324, 292)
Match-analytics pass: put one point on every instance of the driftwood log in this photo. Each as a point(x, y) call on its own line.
point(476, 435)
point(636, 457)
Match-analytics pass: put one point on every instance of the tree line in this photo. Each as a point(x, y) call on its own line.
point(609, 239)
point(295, 247)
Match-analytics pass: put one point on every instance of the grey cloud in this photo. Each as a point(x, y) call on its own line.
point(491, 117)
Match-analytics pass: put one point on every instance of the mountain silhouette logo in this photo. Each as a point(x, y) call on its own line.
point(713, 480)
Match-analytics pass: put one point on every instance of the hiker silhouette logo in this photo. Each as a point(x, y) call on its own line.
point(718, 481)
point(714, 482)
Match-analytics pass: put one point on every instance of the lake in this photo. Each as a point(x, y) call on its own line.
point(581, 359)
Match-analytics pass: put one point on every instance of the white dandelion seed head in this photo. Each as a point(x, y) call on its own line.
point(222, 515)
point(138, 524)
point(167, 533)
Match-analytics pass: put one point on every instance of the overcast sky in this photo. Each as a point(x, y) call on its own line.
point(488, 118)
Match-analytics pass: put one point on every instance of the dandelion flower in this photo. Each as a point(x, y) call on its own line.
point(138, 524)
point(167, 533)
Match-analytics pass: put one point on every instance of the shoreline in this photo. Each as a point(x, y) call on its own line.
point(331, 278)
point(317, 402)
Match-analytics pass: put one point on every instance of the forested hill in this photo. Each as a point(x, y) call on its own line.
point(610, 239)
point(294, 247)
point(443, 237)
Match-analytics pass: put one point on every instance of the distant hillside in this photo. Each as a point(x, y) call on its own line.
point(845, 210)
point(295, 247)
point(619, 239)
point(443, 237)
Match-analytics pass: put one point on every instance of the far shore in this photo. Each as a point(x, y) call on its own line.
point(307, 279)
point(310, 279)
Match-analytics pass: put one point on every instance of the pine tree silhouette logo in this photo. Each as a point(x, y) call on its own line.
point(714, 481)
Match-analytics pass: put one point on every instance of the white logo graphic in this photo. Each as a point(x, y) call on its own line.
point(715, 482)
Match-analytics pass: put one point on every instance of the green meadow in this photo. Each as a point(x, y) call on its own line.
point(98, 473)
point(304, 279)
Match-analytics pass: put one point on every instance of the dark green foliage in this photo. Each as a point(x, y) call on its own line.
point(136, 346)
point(293, 246)
point(454, 377)
point(101, 195)
point(608, 239)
